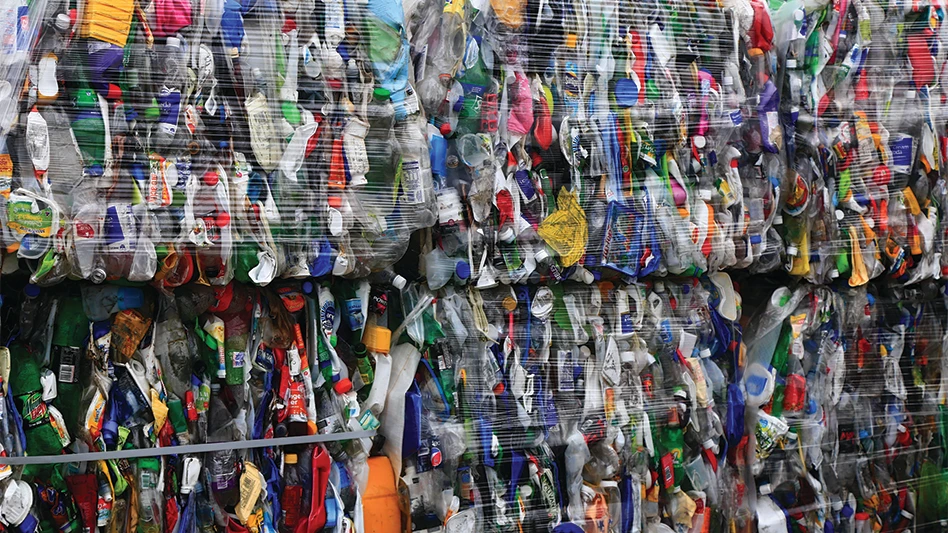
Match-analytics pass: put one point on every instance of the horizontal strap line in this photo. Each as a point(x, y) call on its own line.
point(185, 449)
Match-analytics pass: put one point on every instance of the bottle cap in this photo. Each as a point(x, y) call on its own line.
point(359, 350)
point(462, 270)
point(342, 386)
point(399, 282)
point(506, 234)
point(791, 63)
point(377, 339)
point(31, 290)
point(173, 42)
point(542, 255)
point(728, 80)
point(381, 93)
point(290, 459)
point(63, 22)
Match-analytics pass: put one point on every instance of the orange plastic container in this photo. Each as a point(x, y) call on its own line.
point(380, 501)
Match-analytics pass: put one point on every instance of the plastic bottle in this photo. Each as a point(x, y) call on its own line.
point(237, 331)
point(376, 196)
point(30, 309)
point(476, 82)
point(170, 67)
point(222, 465)
point(292, 496)
point(416, 189)
point(150, 500)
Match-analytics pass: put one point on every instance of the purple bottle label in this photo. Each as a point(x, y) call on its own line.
point(169, 107)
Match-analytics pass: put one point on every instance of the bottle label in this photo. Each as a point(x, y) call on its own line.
point(238, 358)
point(223, 482)
point(736, 117)
point(169, 105)
point(33, 409)
point(902, 147)
point(354, 313)
point(292, 496)
point(297, 402)
point(411, 182)
point(68, 362)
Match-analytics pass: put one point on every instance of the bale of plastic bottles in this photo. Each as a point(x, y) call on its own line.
point(464, 265)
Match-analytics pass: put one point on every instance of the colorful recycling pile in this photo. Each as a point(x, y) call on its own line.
point(260, 140)
point(570, 407)
point(569, 265)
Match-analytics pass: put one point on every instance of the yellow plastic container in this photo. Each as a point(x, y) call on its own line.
point(377, 339)
point(108, 20)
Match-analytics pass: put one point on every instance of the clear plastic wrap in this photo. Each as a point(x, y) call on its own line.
point(511, 246)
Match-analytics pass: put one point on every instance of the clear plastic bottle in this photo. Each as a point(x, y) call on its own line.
point(150, 499)
point(376, 197)
point(171, 64)
point(222, 465)
point(417, 191)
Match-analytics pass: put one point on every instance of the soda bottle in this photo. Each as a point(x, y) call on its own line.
point(292, 496)
point(376, 196)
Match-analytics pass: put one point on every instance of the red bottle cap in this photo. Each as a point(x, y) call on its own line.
point(342, 386)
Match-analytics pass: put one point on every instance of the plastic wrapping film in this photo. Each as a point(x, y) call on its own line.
point(583, 266)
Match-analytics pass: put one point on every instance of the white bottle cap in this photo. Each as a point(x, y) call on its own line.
point(910, 94)
point(791, 63)
point(700, 141)
point(173, 42)
point(399, 282)
point(798, 14)
point(506, 234)
point(542, 255)
point(728, 80)
point(63, 22)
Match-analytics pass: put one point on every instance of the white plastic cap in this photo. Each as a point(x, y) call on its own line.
point(399, 282)
point(728, 80)
point(63, 22)
point(506, 234)
point(173, 42)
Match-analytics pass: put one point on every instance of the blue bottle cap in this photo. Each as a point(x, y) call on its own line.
point(847, 511)
point(308, 287)
point(31, 290)
point(462, 270)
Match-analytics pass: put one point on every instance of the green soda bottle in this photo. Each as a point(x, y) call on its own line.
point(69, 334)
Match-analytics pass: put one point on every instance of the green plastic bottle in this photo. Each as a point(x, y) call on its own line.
point(69, 334)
